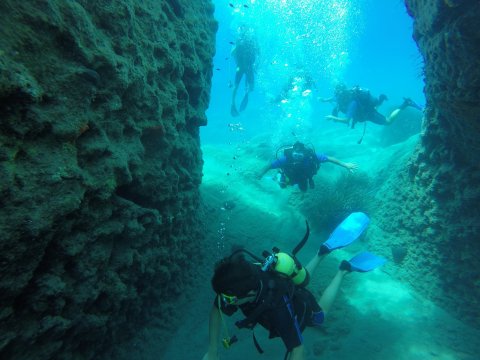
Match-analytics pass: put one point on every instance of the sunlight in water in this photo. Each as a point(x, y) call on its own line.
point(313, 33)
point(298, 39)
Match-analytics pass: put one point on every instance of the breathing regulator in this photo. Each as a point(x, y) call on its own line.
point(285, 264)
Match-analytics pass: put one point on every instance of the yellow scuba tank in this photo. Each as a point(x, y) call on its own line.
point(292, 268)
point(286, 265)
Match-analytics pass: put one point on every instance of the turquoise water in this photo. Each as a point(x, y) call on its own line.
point(365, 43)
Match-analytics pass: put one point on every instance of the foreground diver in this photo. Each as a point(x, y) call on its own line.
point(359, 105)
point(272, 291)
point(299, 164)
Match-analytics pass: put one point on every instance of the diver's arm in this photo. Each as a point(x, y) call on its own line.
point(213, 334)
point(349, 166)
point(330, 99)
point(352, 111)
point(338, 119)
point(297, 353)
point(264, 171)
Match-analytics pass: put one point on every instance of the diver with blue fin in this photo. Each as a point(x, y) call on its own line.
point(271, 290)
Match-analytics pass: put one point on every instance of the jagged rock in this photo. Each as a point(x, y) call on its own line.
point(398, 253)
point(100, 104)
point(439, 212)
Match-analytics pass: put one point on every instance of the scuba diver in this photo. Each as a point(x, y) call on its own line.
point(245, 53)
point(271, 291)
point(360, 106)
point(299, 84)
point(299, 164)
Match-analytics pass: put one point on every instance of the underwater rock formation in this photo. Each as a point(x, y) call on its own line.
point(100, 104)
point(435, 201)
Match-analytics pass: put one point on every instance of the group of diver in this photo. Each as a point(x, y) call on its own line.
point(300, 163)
point(356, 103)
point(270, 290)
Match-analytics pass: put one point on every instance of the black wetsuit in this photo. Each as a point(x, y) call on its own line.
point(290, 309)
point(245, 54)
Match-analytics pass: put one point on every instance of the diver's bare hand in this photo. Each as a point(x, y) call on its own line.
point(352, 167)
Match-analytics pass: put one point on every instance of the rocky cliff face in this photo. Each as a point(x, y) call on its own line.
point(435, 203)
point(100, 104)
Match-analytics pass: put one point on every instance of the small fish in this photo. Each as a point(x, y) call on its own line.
point(231, 5)
point(245, 6)
point(226, 58)
point(231, 43)
point(218, 69)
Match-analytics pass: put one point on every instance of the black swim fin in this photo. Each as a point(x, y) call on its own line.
point(244, 103)
point(409, 102)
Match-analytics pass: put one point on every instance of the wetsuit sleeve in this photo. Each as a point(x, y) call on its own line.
point(278, 163)
point(352, 109)
point(228, 310)
point(284, 323)
point(322, 158)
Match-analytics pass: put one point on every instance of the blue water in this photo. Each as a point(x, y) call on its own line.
point(359, 42)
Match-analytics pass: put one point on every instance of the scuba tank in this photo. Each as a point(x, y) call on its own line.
point(288, 265)
point(283, 263)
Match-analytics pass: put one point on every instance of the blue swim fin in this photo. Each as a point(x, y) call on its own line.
point(244, 103)
point(347, 232)
point(363, 262)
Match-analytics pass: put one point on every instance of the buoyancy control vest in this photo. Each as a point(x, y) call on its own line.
point(300, 161)
point(286, 274)
point(282, 263)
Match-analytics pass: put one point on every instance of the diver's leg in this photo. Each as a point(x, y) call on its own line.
point(302, 185)
point(238, 78)
point(313, 263)
point(249, 81)
point(233, 107)
point(234, 93)
point(406, 102)
point(391, 118)
point(378, 118)
point(330, 293)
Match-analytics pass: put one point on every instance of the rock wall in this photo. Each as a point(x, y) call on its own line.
point(432, 207)
point(100, 104)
